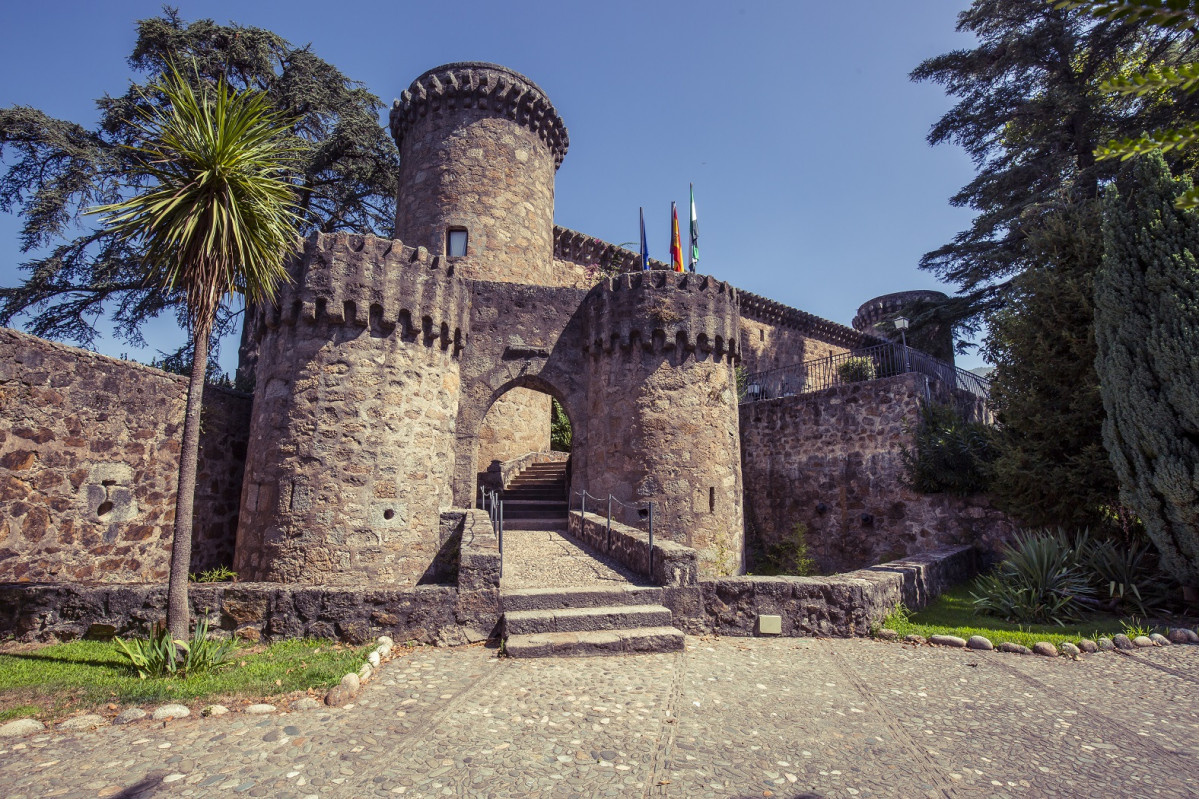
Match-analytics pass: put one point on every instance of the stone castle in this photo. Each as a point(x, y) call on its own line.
point(391, 375)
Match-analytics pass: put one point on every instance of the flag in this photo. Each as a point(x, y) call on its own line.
point(644, 246)
point(676, 246)
point(694, 233)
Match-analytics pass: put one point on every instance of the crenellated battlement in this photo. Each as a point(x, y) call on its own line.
point(474, 84)
point(579, 248)
point(343, 278)
point(662, 310)
point(761, 309)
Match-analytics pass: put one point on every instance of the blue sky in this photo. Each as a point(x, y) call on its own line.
point(795, 120)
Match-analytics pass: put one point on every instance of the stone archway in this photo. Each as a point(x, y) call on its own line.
point(521, 337)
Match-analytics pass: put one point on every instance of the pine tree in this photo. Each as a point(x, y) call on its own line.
point(1030, 113)
point(1147, 332)
point(1052, 468)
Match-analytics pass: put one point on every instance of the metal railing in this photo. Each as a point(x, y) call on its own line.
point(490, 501)
point(640, 506)
point(870, 363)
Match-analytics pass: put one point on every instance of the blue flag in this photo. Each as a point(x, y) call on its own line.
point(644, 246)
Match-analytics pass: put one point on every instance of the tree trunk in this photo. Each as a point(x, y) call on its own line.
point(178, 615)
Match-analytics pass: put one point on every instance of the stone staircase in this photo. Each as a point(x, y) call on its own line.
point(536, 498)
point(541, 622)
point(561, 599)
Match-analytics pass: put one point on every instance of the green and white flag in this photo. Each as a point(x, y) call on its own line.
point(694, 233)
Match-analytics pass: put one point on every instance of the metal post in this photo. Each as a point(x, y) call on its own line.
point(583, 504)
point(501, 538)
point(651, 540)
point(609, 522)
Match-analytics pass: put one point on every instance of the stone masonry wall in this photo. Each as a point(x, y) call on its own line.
point(516, 424)
point(830, 461)
point(89, 460)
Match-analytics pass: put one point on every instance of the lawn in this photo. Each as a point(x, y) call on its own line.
point(953, 614)
point(51, 682)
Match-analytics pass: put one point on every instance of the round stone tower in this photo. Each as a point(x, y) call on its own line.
point(479, 146)
point(353, 427)
point(661, 418)
point(874, 316)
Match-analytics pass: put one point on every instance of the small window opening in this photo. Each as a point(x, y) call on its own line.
point(711, 499)
point(761, 334)
point(455, 241)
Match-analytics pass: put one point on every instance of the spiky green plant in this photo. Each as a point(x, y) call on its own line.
point(1039, 580)
point(217, 217)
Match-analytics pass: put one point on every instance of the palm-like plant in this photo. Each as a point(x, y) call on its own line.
point(217, 217)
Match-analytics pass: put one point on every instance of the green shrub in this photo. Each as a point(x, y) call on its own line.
point(217, 574)
point(951, 454)
point(1040, 580)
point(788, 555)
point(1128, 577)
point(856, 369)
point(162, 656)
point(560, 430)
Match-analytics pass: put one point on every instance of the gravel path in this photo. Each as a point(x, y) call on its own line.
point(725, 718)
point(549, 559)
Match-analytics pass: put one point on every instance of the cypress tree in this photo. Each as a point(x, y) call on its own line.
point(1052, 469)
point(1147, 336)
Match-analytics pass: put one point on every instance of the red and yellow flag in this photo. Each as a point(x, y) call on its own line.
point(676, 244)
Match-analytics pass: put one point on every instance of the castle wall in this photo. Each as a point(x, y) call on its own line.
point(660, 421)
point(89, 464)
point(518, 423)
point(774, 335)
point(352, 438)
point(766, 346)
point(831, 461)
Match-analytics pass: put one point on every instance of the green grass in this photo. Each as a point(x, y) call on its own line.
point(55, 681)
point(953, 614)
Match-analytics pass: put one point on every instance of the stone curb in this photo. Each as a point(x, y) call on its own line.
point(169, 712)
point(1118, 643)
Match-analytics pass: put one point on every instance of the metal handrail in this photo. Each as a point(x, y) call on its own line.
point(490, 501)
point(649, 503)
point(869, 363)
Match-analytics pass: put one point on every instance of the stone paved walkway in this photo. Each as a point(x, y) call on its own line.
point(724, 718)
point(549, 559)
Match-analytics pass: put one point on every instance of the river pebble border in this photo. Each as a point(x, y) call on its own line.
point(340, 695)
point(1119, 642)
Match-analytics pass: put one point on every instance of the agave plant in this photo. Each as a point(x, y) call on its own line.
point(160, 655)
point(1041, 579)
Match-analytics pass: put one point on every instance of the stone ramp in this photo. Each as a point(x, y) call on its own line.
point(560, 598)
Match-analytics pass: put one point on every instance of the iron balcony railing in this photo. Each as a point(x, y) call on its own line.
point(871, 363)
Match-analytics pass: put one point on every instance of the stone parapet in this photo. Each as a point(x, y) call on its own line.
point(491, 87)
point(761, 309)
point(840, 606)
point(579, 248)
point(674, 565)
point(662, 310)
point(343, 278)
point(428, 614)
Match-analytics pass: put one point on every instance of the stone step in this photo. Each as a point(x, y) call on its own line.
point(555, 523)
point(559, 598)
point(544, 485)
point(596, 642)
point(513, 516)
point(574, 620)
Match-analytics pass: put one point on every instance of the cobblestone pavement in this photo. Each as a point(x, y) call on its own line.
point(549, 559)
point(726, 717)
